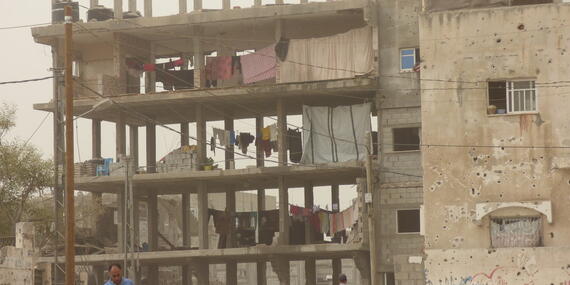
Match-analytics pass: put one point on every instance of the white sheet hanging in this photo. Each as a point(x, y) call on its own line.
point(340, 56)
point(335, 134)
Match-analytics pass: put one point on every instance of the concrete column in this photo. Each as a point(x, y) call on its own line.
point(229, 152)
point(231, 273)
point(199, 76)
point(197, 5)
point(186, 236)
point(226, 4)
point(150, 77)
point(152, 274)
point(309, 203)
point(95, 138)
point(136, 221)
point(281, 132)
point(118, 8)
point(148, 8)
point(283, 212)
point(134, 145)
point(310, 271)
point(362, 262)
point(203, 216)
point(151, 148)
point(336, 262)
point(121, 221)
point(258, 134)
point(261, 273)
point(257, 3)
point(152, 219)
point(182, 6)
point(132, 5)
point(93, 3)
point(201, 135)
point(121, 137)
point(99, 274)
point(282, 269)
point(231, 209)
point(184, 134)
point(203, 273)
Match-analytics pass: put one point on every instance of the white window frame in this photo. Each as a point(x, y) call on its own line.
point(510, 96)
point(419, 221)
point(412, 55)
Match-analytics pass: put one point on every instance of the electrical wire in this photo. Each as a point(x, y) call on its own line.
point(26, 80)
point(24, 26)
point(37, 129)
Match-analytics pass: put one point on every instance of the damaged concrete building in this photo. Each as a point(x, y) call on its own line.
point(274, 64)
point(495, 141)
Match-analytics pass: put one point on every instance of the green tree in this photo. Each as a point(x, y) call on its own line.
point(24, 176)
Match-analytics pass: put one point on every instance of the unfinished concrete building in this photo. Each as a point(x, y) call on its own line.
point(351, 59)
point(495, 156)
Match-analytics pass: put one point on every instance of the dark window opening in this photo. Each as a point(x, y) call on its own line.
point(516, 232)
point(406, 139)
point(498, 97)
point(408, 221)
point(529, 2)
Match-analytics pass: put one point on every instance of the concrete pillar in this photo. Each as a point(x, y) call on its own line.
point(202, 273)
point(148, 8)
point(336, 262)
point(231, 209)
point(99, 274)
point(136, 221)
point(93, 3)
point(258, 133)
point(134, 145)
point(281, 132)
point(132, 5)
point(282, 269)
point(283, 212)
point(261, 273)
point(186, 236)
point(199, 76)
point(203, 216)
point(118, 8)
point(226, 4)
point(150, 77)
point(201, 135)
point(153, 220)
point(310, 271)
point(121, 219)
point(184, 134)
point(121, 137)
point(197, 5)
point(257, 3)
point(182, 6)
point(151, 148)
point(229, 152)
point(231, 273)
point(309, 203)
point(95, 138)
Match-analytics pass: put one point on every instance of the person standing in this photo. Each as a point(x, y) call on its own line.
point(116, 276)
point(342, 279)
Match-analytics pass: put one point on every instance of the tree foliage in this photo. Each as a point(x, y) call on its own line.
point(24, 175)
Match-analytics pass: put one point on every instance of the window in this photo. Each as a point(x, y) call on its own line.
point(512, 97)
point(406, 139)
point(516, 232)
point(408, 221)
point(409, 57)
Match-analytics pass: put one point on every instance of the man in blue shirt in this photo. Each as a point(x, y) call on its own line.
point(116, 276)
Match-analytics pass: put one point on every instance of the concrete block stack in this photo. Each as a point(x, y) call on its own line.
point(179, 160)
point(87, 168)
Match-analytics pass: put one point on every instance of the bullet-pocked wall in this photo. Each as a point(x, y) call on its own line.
point(401, 175)
point(494, 129)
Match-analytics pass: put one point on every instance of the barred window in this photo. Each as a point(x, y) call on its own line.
point(516, 232)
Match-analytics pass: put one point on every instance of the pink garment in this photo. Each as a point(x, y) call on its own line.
point(347, 217)
point(260, 65)
point(219, 68)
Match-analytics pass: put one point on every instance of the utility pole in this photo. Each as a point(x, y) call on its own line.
point(69, 183)
point(371, 224)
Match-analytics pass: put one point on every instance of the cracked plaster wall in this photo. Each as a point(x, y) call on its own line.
point(465, 49)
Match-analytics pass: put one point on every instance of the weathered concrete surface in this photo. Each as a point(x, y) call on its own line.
point(513, 266)
point(461, 51)
point(17, 263)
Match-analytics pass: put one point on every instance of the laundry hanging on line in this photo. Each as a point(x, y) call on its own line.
point(260, 65)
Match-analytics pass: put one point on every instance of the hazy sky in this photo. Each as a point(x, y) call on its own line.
point(25, 59)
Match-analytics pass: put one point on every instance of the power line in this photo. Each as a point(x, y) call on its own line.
point(37, 128)
point(23, 26)
point(26, 80)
